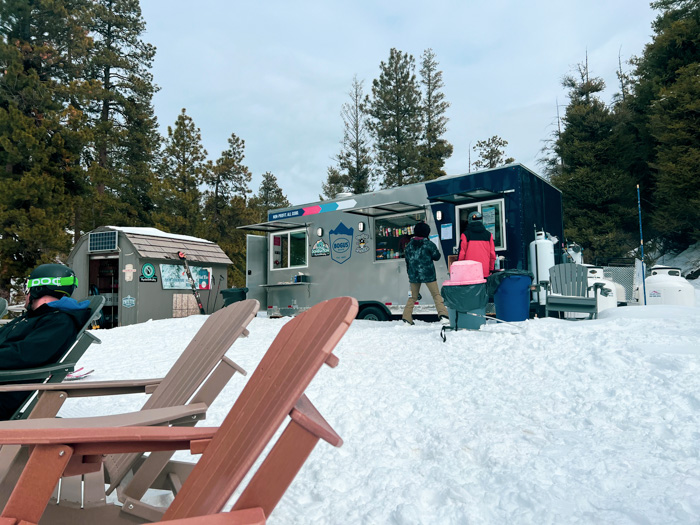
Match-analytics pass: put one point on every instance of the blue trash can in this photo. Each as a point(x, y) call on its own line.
point(512, 298)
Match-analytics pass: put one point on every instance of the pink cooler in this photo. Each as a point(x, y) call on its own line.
point(465, 272)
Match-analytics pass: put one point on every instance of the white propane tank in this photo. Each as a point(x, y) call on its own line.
point(540, 261)
point(596, 275)
point(665, 285)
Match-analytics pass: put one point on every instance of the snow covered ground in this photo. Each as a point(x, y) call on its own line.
point(545, 422)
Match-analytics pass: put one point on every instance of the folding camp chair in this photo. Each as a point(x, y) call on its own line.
point(567, 290)
point(228, 452)
point(181, 397)
point(41, 404)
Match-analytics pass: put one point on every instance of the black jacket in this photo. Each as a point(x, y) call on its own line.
point(420, 254)
point(38, 337)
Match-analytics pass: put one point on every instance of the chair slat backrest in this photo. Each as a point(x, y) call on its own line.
point(205, 351)
point(279, 381)
point(569, 279)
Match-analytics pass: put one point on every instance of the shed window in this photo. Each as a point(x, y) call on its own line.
point(288, 250)
point(493, 213)
point(394, 233)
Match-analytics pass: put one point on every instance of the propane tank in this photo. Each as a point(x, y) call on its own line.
point(540, 261)
point(666, 285)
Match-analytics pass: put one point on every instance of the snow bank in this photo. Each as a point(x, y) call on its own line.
point(544, 421)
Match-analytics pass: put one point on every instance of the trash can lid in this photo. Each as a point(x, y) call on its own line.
point(496, 278)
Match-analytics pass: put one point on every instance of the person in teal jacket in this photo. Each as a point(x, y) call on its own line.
point(45, 331)
point(421, 253)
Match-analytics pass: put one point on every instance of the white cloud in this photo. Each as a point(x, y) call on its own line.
point(277, 73)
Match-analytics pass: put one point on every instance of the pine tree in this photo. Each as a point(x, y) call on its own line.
point(335, 184)
point(42, 130)
point(434, 149)
point(664, 112)
point(491, 153)
point(354, 160)
point(228, 177)
point(126, 139)
point(269, 197)
point(598, 195)
point(183, 170)
point(395, 111)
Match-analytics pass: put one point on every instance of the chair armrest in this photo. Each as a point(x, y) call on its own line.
point(39, 372)
point(110, 440)
point(148, 417)
point(253, 516)
point(90, 388)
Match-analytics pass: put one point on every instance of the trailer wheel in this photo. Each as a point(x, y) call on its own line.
point(372, 313)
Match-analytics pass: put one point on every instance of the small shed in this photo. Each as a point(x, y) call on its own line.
point(139, 272)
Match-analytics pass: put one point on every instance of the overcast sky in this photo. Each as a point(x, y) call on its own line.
point(276, 73)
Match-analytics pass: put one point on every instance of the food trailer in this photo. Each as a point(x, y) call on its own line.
point(354, 244)
point(142, 277)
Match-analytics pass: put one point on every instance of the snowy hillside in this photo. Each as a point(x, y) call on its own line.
point(549, 421)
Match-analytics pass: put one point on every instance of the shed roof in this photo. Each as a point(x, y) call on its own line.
point(156, 244)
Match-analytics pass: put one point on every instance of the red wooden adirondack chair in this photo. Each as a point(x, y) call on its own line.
point(275, 390)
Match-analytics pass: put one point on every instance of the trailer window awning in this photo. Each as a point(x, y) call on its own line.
point(386, 208)
point(465, 196)
point(272, 226)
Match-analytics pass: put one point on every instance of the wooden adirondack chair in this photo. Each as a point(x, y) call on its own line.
point(181, 397)
point(569, 282)
point(275, 389)
point(40, 404)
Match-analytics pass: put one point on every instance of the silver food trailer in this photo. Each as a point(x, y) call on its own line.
point(139, 272)
point(354, 244)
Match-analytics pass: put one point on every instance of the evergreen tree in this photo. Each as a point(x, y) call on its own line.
point(42, 130)
point(225, 207)
point(228, 177)
point(664, 123)
point(395, 124)
point(491, 153)
point(434, 150)
point(126, 140)
point(335, 184)
point(183, 170)
point(598, 195)
point(269, 197)
point(354, 160)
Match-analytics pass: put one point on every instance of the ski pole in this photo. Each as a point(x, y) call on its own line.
point(641, 245)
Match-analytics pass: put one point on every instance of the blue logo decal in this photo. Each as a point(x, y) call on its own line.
point(341, 243)
point(128, 302)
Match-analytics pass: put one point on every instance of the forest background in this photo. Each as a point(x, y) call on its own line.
point(80, 146)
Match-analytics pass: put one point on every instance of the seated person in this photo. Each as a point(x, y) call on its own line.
point(477, 244)
point(45, 331)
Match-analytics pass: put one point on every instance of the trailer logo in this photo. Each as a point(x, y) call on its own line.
point(320, 249)
point(341, 243)
point(362, 243)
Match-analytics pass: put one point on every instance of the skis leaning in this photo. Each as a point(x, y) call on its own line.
point(195, 291)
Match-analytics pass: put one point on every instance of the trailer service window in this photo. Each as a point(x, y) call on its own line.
point(393, 234)
point(288, 250)
point(493, 217)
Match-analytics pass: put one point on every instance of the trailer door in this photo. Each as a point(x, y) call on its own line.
point(256, 271)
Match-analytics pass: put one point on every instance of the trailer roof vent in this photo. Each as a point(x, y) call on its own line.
point(102, 242)
point(344, 195)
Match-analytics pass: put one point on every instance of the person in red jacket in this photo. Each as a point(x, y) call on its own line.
point(477, 244)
